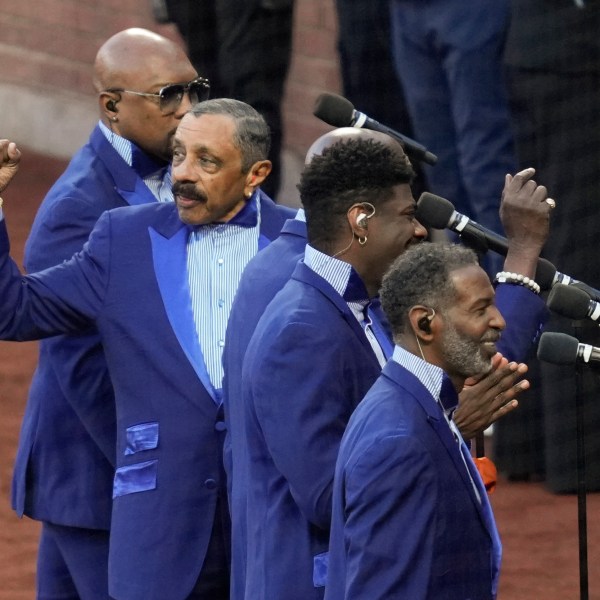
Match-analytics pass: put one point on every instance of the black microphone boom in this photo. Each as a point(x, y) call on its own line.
point(437, 212)
point(338, 111)
point(563, 349)
point(547, 276)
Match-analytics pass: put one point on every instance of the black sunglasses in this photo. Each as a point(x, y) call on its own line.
point(170, 97)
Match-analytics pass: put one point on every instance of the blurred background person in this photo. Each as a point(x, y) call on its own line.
point(554, 82)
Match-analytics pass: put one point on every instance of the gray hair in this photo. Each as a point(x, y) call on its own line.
point(252, 136)
point(422, 276)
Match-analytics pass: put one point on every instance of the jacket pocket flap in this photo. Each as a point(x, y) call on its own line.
point(141, 437)
point(139, 477)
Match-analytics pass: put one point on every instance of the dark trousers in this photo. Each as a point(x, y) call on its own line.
point(448, 56)
point(244, 48)
point(369, 78)
point(72, 563)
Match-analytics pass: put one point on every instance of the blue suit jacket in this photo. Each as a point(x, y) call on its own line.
point(130, 281)
point(65, 460)
point(307, 366)
point(406, 520)
point(264, 276)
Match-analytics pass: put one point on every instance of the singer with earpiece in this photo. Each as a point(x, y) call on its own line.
point(317, 348)
point(408, 501)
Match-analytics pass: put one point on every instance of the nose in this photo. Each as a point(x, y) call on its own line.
point(420, 231)
point(181, 170)
point(496, 319)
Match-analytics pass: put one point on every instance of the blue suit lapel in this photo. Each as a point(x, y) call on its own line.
point(309, 277)
point(169, 255)
point(127, 183)
point(435, 417)
point(139, 195)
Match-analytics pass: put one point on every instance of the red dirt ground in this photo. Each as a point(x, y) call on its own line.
point(539, 529)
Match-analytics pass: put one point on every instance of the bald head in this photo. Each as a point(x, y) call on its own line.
point(129, 52)
point(349, 133)
point(130, 70)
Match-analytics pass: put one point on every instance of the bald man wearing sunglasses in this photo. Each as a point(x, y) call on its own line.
point(64, 468)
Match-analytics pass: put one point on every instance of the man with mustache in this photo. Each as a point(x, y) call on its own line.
point(65, 461)
point(411, 517)
point(157, 281)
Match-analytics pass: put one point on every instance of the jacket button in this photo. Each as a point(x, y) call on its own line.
point(220, 426)
point(210, 484)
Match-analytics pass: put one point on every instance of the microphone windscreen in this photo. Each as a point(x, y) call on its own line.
point(558, 348)
point(544, 274)
point(334, 110)
point(434, 211)
point(569, 302)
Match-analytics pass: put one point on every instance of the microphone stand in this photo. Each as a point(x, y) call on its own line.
point(581, 479)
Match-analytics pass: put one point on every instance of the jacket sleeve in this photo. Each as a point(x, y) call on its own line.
point(302, 409)
point(62, 299)
point(525, 314)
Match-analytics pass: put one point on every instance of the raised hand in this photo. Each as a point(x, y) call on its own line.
point(10, 156)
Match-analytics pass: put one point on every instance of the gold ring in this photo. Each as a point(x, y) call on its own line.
point(550, 203)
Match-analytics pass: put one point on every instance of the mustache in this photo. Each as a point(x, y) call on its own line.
point(492, 336)
point(188, 190)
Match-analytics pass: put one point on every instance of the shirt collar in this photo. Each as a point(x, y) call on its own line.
point(143, 164)
point(248, 216)
point(339, 274)
point(434, 379)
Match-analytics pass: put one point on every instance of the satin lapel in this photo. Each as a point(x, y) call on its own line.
point(141, 194)
point(309, 277)
point(169, 255)
point(406, 380)
point(127, 183)
point(272, 219)
point(435, 417)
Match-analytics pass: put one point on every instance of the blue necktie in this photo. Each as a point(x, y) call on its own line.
point(488, 516)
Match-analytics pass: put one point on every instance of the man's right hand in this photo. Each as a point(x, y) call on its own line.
point(484, 400)
point(10, 156)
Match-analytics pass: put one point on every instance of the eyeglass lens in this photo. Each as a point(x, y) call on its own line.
point(171, 95)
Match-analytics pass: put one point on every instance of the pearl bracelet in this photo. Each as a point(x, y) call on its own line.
point(518, 279)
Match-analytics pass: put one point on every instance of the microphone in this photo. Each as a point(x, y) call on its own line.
point(563, 349)
point(551, 275)
point(338, 111)
point(437, 212)
point(573, 303)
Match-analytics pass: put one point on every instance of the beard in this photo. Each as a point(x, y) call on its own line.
point(464, 355)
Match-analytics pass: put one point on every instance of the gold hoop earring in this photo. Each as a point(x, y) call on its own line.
point(362, 240)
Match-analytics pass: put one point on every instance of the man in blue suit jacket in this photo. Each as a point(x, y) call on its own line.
point(64, 467)
point(411, 517)
point(310, 362)
point(138, 280)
